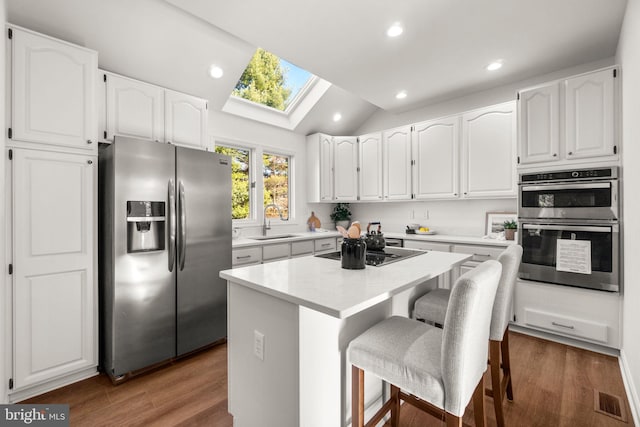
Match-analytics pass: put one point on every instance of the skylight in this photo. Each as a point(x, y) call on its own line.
point(271, 81)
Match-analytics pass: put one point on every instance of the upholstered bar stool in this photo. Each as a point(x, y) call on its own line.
point(436, 370)
point(432, 307)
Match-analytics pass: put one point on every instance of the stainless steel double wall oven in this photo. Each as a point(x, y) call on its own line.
point(569, 228)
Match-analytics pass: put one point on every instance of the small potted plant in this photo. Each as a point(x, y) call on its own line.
point(510, 228)
point(341, 214)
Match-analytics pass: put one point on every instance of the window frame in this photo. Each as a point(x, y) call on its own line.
point(256, 186)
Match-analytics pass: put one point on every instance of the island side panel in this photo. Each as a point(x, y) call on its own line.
point(262, 392)
point(325, 373)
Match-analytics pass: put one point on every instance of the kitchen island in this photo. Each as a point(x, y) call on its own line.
point(290, 323)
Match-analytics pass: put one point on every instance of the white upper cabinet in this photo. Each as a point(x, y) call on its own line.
point(345, 163)
point(53, 87)
point(590, 115)
point(489, 152)
point(538, 122)
point(319, 168)
point(397, 163)
point(370, 160)
point(55, 315)
point(570, 121)
point(185, 119)
point(435, 155)
point(134, 109)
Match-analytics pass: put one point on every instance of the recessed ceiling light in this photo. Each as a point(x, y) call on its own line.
point(337, 117)
point(395, 30)
point(216, 72)
point(401, 95)
point(496, 65)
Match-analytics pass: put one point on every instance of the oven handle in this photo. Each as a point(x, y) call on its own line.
point(566, 228)
point(565, 186)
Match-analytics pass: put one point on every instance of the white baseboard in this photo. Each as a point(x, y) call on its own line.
point(630, 387)
point(16, 396)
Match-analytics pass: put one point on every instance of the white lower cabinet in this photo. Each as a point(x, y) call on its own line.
point(55, 315)
point(246, 256)
point(584, 314)
point(277, 251)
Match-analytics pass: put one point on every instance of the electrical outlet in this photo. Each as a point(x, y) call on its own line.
point(258, 344)
point(426, 213)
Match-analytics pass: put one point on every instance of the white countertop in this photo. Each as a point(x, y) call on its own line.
point(322, 285)
point(242, 242)
point(469, 240)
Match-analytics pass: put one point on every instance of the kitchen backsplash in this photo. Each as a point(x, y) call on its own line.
point(454, 217)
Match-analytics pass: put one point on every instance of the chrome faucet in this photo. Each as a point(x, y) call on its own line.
point(266, 227)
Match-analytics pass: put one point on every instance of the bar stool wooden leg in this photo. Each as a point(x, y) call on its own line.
point(453, 421)
point(496, 385)
point(395, 409)
point(506, 363)
point(478, 404)
point(357, 397)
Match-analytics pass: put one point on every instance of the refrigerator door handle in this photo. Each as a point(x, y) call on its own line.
point(172, 224)
point(182, 241)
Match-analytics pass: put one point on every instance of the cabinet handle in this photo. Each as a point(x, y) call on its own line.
point(570, 153)
point(243, 257)
point(484, 255)
point(89, 141)
point(455, 194)
point(555, 154)
point(324, 245)
point(465, 193)
point(89, 162)
point(562, 326)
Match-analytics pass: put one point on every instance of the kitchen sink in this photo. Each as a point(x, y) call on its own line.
point(274, 237)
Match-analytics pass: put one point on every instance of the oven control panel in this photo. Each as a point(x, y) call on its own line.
point(570, 175)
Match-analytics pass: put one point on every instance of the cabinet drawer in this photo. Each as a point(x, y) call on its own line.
point(566, 325)
point(279, 251)
point(322, 245)
point(246, 256)
point(480, 253)
point(427, 246)
point(302, 248)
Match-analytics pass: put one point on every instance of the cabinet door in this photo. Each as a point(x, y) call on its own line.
point(489, 152)
point(590, 115)
point(538, 124)
point(54, 286)
point(435, 155)
point(134, 109)
point(185, 119)
point(370, 155)
point(345, 168)
point(397, 163)
point(326, 167)
point(53, 92)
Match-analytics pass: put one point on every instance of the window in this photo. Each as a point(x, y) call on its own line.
point(271, 81)
point(275, 173)
point(240, 180)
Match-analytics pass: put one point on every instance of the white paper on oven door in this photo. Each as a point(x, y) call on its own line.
point(573, 256)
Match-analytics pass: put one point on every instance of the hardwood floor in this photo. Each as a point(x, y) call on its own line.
point(553, 386)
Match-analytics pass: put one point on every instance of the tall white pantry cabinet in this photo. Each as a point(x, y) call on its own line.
point(51, 225)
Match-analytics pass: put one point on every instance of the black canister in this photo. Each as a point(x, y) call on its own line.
point(353, 253)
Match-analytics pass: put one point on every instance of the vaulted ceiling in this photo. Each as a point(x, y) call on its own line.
point(442, 53)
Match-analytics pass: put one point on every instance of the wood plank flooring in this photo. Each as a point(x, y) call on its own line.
point(553, 386)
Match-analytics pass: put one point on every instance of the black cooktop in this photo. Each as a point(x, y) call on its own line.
point(379, 258)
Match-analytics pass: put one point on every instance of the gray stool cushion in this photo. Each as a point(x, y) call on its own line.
point(405, 353)
point(432, 306)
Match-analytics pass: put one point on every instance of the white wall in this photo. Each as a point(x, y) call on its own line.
point(232, 129)
point(3, 312)
point(629, 58)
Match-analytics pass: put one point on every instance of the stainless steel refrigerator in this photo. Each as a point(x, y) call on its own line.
point(165, 233)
